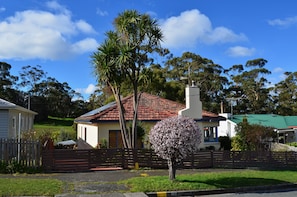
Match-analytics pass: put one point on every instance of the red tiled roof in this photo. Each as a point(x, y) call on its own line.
point(151, 108)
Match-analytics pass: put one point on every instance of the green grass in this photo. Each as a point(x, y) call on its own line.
point(56, 128)
point(47, 186)
point(30, 187)
point(54, 121)
point(215, 180)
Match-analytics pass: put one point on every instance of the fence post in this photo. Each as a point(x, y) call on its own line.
point(212, 159)
point(232, 154)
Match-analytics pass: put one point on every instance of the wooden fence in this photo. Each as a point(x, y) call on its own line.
point(65, 160)
point(26, 152)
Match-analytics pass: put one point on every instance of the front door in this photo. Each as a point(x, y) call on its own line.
point(115, 139)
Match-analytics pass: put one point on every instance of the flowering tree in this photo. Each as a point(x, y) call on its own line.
point(175, 138)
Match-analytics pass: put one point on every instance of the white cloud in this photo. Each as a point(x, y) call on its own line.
point(84, 27)
point(88, 90)
point(54, 5)
point(41, 34)
point(88, 44)
point(278, 70)
point(101, 12)
point(239, 51)
point(283, 22)
point(192, 27)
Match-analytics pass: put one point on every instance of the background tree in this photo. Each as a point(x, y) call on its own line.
point(285, 95)
point(208, 76)
point(174, 139)
point(8, 82)
point(252, 85)
point(30, 76)
point(251, 137)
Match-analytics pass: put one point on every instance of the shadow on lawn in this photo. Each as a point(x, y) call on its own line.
point(234, 182)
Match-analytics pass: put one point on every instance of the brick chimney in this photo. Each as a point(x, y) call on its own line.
point(193, 104)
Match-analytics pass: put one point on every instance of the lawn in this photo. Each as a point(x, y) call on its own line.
point(211, 180)
point(58, 129)
point(30, 187)
point(48, 186)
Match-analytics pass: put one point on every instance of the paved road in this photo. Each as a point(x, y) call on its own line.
point(277, 193)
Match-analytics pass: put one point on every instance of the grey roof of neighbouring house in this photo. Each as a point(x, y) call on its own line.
point(4, 104)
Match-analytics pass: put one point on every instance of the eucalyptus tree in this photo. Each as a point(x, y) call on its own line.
point(285, 94)
point(251, 85)
point(208, 76)
point(30, 76)
point(128, 51)
point(8, 84)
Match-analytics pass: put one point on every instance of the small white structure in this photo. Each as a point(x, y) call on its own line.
point(14, 119)
point(227, 127)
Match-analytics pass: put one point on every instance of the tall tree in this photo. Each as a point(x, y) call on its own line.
point(141, 35)
point(124, 57)
point(109, 72)
point(7, 85)
point(208, 76)
point(251, 83)
point(286, 95)
point(58, 96)
point(30, 76)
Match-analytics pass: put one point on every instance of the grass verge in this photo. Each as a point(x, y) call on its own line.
point(209, 180)
point(48, 186)
point(30, 187)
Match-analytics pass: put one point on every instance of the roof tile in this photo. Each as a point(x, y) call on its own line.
point(150, 108)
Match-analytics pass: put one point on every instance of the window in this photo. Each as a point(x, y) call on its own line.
point(13, 123)
point(210, 134)
point(85, 134)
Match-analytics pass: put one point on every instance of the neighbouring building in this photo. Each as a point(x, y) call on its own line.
point(284, 126)
point(14, 119)
point(102, 125)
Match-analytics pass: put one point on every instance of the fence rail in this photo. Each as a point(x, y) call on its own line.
point(25, 152)
point(65, 160)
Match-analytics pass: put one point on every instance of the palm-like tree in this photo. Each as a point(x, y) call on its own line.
point(109, 72)
point(141, 36)
point(123, 57)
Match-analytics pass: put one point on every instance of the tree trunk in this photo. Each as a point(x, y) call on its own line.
point(122, 120)
point(172, 169)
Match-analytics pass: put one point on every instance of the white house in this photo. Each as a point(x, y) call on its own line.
point(227, 127)
point(284, 126)
point(102, 125)
point(14, 119)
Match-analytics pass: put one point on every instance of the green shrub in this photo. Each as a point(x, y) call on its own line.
point(14, 166)
point(292, 144)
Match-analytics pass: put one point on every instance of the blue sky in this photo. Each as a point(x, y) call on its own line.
point(61, 35)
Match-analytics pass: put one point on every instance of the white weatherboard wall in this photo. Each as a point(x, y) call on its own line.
point(89, 133)
point(226, 128)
